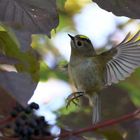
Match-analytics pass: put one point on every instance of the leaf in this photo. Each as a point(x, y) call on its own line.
point(28, 61)
point(74, 6)
point(27, 17)
point(111, 134)
point(127, 8)
point(75, 138)
point(71, 137)
point(61, 4)
point(46, 73)
point(6, 103)
point(8, 60)
point(131, 85)
point(35, 16)
point(18, 85)
point(24, 38)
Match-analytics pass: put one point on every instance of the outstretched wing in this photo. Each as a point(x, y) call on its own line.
point(122, 59)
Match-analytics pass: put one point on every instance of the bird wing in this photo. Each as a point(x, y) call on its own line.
point(122, 59)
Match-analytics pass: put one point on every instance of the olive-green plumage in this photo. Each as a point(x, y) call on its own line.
point(92, 72)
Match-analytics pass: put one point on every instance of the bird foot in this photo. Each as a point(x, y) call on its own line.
point(74, 97)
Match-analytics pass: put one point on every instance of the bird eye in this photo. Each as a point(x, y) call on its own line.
point(79, 43)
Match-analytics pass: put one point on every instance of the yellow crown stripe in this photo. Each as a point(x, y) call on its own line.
point(83, 36)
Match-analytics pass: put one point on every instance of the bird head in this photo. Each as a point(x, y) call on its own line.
point(81, 45)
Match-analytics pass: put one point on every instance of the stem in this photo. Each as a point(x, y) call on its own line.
point(6, 120)
point(132, 115)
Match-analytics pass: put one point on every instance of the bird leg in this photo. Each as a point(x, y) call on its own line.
point(74, 96)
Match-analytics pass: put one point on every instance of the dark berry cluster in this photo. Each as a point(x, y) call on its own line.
point(19, 109)
point(27, 124)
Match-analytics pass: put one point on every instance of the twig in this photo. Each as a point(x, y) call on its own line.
point(6, 120)
point(107, 123)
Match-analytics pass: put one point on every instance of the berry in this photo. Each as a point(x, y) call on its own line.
point(8, 126)
point(28, 110)
point(18, 108)
point(18, 130)
point(34, 105)
point(27, 124)
point(36, 132)
point(45, 132)
point(19, 122)
point(32, 123)
point(23, 116)
point(42, 119)
point(25, 138)
point(14, 113)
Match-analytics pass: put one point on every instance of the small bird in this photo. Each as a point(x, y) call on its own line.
point(91, 72)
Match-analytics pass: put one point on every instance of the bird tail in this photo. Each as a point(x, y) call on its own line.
point(96, 108)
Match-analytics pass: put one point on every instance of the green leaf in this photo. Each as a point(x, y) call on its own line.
point(111, 134)
point(46, 73)
point(28, 61)
point(133, 91)
point(132, 85)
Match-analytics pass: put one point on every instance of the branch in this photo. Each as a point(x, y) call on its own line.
point(6, 120)
point(133, 115)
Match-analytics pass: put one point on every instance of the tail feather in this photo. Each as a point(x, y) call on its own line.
point(96, 108)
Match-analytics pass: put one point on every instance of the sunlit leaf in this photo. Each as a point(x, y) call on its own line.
point(20, 85)
point(131, 85)
point(46, 73)
point(28, 61)
point(74, 6)
point(111, 134)
point(66, 111)
point(61, 4)
point(66, 21)
point(133, 91)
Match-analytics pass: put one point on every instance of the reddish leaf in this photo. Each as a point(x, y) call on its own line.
point(36, 16)
point(8, 60)
point(6, 103)
point(19, 85)
point(129, 8)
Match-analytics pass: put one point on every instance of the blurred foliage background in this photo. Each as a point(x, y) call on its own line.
point(52, 56)
point(116, 100)
point(85, 17)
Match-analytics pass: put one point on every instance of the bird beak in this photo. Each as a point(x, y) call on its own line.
point(72, 38)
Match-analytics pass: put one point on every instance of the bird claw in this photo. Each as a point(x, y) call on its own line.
point(72, 97)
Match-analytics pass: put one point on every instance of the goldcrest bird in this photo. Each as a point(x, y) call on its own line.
point(91, 72)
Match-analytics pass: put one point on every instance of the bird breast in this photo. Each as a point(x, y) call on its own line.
point(86, 76)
